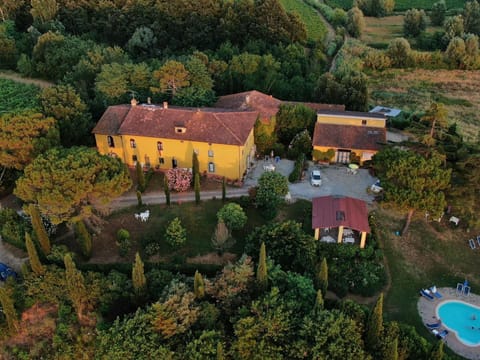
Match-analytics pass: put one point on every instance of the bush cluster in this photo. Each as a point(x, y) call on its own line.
point(179, 179)
point(296, 173)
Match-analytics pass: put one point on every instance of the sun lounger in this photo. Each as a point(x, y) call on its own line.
point(459, 288)
point(426, 295)
point(466, 290)
point(478, 240)
point(472, 244)
point(434, 326)
point(435, 293)
point(442, 334)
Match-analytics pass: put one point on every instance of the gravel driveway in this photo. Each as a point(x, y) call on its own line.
point(335, 181)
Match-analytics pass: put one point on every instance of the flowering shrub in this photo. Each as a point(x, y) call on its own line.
point(179, 179)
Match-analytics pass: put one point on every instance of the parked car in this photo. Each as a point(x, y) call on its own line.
point(6, 271)
point(315, 178)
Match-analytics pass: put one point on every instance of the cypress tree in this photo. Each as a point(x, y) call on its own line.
point(8, 309)
point(166, 189)
point(220, 355)
point(39, 229)
point(195, 164)
point(392, 350)
point(138, 275)
point(262, 276)
point(35, 263)
point(375, 325)
point(197, 189)
point(319, 301)
point(224, 189)
point(198, 285)
point(139, 198)
point(140, 177)
point(437, 351)
point(77, 292)
point(84, 238)
point(322, 277)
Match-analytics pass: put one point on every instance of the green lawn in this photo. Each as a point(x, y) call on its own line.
point(316, 29)
point(430, 254)
point(15, 97)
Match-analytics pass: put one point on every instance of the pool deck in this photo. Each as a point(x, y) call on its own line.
point(427, 311)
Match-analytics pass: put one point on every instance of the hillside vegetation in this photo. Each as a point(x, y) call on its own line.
point(402, 5)
point(16, 97)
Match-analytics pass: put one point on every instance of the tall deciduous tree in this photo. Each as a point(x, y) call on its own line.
point(355, 22)
point(8, 309)
point(35, 263)
point(375, 325)
point(292, 119)
point(198, 285)
point(39, 229)
point(68, 184)
point(414, 22)
point(139, 280)
point(271, 189)
point(44, 10)
point(437, 14)
point(413, 182)
point(23, 137)
point(471, 17)
point(436, 115)
point(262, 275)
point(64, 104)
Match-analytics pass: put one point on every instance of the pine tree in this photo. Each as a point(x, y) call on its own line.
point(39, 229)
point(139, 280)
point(322, 277)
point(77, 292)
point(262, 276)
point(319, 301)
point(437, 351)
point(84, 238)
point(139, 198)
point(140, 177)
point(35, 263)
point(220, 355)
point(198, 285)
point(375, 325)
point(166, 189)
point(197, 189)
point(224, 189)
point(8, 309)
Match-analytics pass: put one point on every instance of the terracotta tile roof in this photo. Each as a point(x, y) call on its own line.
point(334, 211)
point(349, 136)
point(356, 114)
point(111, 120)
point(204, 125)
point(266, 105)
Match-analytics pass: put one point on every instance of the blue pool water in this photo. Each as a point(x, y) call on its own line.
point(463, 319)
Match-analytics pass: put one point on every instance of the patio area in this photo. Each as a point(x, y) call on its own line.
point(330, 235)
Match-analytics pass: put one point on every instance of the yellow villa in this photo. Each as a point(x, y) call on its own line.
point(165, 137)
point(348, 132)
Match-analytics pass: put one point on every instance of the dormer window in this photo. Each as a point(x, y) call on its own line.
point(110, 141)
point(159, 146)
point(180, 129)
point(133, 144)
point(340, 215)
point(364, 122)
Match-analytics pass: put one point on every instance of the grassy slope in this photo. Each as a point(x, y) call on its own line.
point(414, 89)
point(316, 29)
point(382, 30)
point(431, 253)
point(16, 97)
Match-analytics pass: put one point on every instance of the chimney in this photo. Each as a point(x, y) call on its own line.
point(165, 105)
point(247, 99)
point(133, 102)
point(149, 100)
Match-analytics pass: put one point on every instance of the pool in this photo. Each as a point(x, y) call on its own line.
point(461, 318)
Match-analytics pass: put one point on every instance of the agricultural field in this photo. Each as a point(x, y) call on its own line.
point(401, 5)
point(380, 31)
point(414, 89)
point(316, 29)
point(16, 97)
